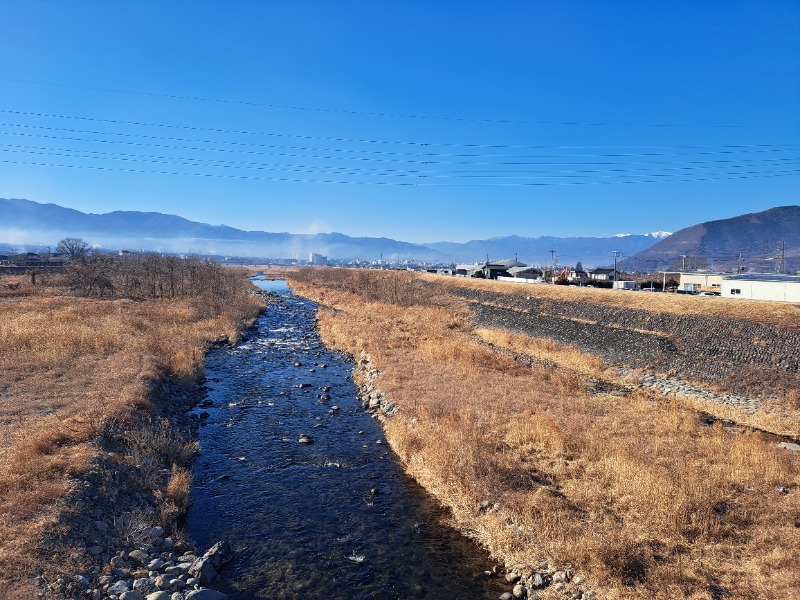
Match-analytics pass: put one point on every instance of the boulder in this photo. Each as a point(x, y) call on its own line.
point(203, 569)
point(219, 554)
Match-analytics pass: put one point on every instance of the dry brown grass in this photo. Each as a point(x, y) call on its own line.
point(72, 369)
point(784, 314)
point(636, 494)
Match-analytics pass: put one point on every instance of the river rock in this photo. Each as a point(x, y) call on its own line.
point(512, 577)
point(506, 596)
point(561, 576)
point(119, 587)
point(219, 554)
point(305, 439)
point(790, 446)
point(144, 585)
point(158, 596)
point(139, 557)
point(204, 570)
point(131, 596)
point(518, 591)
point(155, 564)
point(164, 582)
point(205, 594)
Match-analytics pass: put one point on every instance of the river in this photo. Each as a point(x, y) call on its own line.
point(331, 517)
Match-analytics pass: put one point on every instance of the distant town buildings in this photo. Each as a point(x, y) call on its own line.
point(317, 259)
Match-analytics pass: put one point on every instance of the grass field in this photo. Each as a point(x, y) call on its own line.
point(74, 368)
point(632, 492)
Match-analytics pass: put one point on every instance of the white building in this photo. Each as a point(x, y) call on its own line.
point(317, 259)
point(761, 286)
point(696, 282)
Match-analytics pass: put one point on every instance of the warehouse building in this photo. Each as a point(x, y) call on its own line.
point(761, 286)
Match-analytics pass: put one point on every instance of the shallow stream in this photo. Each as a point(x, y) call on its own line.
point(332, 518)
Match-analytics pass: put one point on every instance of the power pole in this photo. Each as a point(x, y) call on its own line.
point(616, 254)
point(683, 268)
point(741, 263)
point(782, 250)
point(553, 263)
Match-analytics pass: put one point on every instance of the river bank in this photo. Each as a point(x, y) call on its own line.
point(91, 467)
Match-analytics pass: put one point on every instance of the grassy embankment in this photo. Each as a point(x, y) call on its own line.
point(779, 411)
point(632, 492)
point(78, 368)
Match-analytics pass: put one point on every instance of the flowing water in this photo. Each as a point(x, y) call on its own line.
point(332, 518)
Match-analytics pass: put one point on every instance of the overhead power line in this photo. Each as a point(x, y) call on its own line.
point(347, 140)
point(412, 184)
point(728, 150)
point(508, 174)
point(397, 115)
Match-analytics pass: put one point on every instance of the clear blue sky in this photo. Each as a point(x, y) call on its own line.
point(421, 121)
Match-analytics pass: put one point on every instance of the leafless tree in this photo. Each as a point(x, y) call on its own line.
point(75, 248)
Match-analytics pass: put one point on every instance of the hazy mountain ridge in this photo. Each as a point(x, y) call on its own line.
point(755, 235)
point(24, 222)
point(591, 251)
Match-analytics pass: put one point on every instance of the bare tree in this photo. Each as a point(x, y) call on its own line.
point(75, 248)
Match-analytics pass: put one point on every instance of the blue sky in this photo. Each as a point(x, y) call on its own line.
point(420, 121)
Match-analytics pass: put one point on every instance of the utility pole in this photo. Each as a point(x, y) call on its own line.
point(741, 263)
point(782, 250)
point(683, 256)
point(616, 254)
point(553, 263)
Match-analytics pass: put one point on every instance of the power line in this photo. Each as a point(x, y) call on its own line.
point(412, 184)
point(426, 162)
point(558, 173)
point(427, 155)
point(342, 139)
point(396, 115)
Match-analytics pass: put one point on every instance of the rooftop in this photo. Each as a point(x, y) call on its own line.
point(764, 277)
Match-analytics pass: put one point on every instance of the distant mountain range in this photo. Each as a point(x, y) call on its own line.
point(718, 245)
point(26, 224)
point(591, 251)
